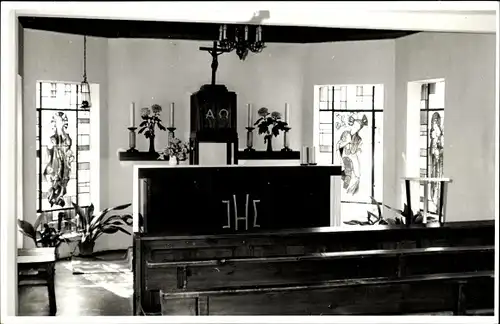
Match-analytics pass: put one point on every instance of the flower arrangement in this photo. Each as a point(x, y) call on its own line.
point(176, 148)
point(151, 119)
point(269, 124)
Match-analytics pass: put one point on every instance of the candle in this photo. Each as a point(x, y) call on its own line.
point(246, 32)
point(132, 114)
point(250, 117)
point(287, 114)
point(312, 156)
point(171, 121)
point(224, 29)
point(220, 33)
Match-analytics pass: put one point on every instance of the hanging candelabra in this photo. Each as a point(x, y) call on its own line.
point(239, 39)
point(84, 86)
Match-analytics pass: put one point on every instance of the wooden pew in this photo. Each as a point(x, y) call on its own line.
point(371, 296)
point(196, 263)
point(404, 281)
point(36, 267)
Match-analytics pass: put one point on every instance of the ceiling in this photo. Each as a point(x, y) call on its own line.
point(199, 31)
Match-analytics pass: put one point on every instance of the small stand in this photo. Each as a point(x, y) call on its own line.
point(286, 145)
point(249, 139)
point(131, 140)
point(171, 133)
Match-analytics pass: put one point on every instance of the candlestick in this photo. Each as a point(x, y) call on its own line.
point(250, 115)
point(220, 33)
point(246, 32)
point(286, 145)
point(132, 114)
point(171, 133)
point(249, 139)
point(131, 140)
point(171, 121)
point(287, 113)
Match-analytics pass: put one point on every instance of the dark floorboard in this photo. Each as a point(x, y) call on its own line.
point(99, 294)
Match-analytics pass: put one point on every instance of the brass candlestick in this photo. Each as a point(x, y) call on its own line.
point(286, 145)
point(131, 140)
point(249, 139)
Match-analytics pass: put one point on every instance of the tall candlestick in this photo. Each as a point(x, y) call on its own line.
point(287, 114)
point(250, 115)
point(220, 33)
point(246, 32)
point(132, 114)
point(171, 121)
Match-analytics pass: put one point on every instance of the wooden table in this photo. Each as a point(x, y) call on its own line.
point(36, 267)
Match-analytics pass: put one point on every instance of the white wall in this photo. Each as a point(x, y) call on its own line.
point(159, 71)
point(467, 63)
point(59, 57)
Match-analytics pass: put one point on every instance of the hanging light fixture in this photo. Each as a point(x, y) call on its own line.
point(240, 40)
point(86, 102)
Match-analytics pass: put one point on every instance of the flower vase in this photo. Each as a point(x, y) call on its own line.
point(173, 160)
point(269, 144)
point(152, 144)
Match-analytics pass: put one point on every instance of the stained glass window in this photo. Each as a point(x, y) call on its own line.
point(63, 159)
point(351, 135)
point(431, 141)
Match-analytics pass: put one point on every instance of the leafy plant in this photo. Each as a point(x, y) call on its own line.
point(269, 123)
point(151, 119)
point(93, 226)
point(402, 218)
point(176, 148)
point(48, 237)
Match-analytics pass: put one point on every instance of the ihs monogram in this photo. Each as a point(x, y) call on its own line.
point(236, 218)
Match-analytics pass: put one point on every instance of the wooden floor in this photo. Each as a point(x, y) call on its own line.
point(100, 294)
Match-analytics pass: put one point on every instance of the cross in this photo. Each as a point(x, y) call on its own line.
point(215, 52)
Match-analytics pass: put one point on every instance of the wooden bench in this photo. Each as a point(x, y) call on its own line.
point(36, 267)
point(152, 253)
point(395, 281)
point(371, 296)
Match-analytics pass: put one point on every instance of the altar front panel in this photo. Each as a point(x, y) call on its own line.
point(235, 199)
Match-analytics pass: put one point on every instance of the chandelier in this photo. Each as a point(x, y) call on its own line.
point(239, 39)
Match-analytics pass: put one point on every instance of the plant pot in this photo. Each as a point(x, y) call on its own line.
point(152, 144)
point(86, 248)
point(269, 144)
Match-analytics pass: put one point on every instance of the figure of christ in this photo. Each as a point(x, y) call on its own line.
point(58, 169)
point(436, 155)
point(349, 147)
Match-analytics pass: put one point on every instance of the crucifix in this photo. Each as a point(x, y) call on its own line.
point(215, 52)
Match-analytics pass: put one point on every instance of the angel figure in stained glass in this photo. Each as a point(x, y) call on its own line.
point(58, 169)
point(349, 147)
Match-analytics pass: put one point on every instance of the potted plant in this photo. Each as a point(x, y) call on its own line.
point(151, 119)
point(93, 226)
point(47, 237)
point(176, 151)
point(269, 124)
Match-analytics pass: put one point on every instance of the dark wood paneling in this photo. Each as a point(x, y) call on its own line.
point(199, 31)
point(263, 198)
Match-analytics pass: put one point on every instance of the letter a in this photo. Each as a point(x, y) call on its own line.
point(210, 114)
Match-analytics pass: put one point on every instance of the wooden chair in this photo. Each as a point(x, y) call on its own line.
point(36, 267)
